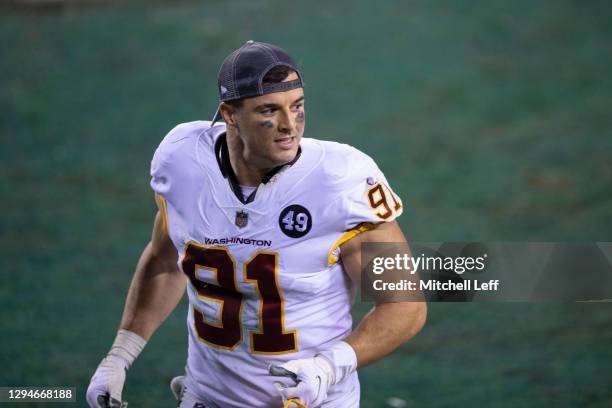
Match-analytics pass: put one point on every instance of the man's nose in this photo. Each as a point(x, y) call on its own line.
point(286, 124)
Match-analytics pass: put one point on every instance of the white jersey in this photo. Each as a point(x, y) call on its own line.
point(265, 282)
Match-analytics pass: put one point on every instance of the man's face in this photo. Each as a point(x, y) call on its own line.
point(271, 126)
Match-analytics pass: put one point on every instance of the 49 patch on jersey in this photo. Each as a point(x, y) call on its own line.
point(295, 221)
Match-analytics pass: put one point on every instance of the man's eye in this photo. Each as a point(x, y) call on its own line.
point(298, 106)
point(268, 111)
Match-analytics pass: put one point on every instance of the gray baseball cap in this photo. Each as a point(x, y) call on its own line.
point(242, 72)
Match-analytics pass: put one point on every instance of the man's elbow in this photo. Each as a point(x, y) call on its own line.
point(416, 316)
point(421, 316)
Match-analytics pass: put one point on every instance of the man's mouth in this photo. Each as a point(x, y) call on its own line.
point(285, 142)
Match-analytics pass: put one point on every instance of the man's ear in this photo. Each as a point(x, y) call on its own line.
point(229, 114)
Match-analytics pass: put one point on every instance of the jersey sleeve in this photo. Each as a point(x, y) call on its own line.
point(368, 197)
point(174, 164)
point(176, 174)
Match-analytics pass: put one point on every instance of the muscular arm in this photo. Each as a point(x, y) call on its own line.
point(157, 285)
point(387, 325)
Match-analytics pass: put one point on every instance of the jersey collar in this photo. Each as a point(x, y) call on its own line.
point(223, 160)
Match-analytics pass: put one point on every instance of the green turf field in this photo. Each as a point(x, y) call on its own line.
point(492, 119)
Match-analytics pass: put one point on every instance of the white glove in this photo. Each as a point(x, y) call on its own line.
point(314, 376)
point(107, 380)
point(106, 385)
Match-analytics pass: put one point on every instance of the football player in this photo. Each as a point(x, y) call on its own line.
point(263, 229)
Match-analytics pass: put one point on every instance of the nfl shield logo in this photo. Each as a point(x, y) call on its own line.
point(242, 219)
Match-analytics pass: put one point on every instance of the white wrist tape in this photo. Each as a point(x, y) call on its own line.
point(127, 346)
point(342, 359)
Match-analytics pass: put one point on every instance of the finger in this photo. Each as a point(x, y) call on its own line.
point(279, 386)
point(92, 401)
point(289, 392)
point(115, 403)
point(293, 365)
point(280, 371)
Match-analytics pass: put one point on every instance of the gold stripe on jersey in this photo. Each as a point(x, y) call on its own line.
point(162, 204)
point(363, 227)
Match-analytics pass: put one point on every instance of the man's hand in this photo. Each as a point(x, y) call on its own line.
point(313, 377)
point(107, 382)
point(106, 385)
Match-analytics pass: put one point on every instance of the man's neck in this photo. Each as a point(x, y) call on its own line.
point(246, 173)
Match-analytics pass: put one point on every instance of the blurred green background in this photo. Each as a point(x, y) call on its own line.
point(492, 119)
